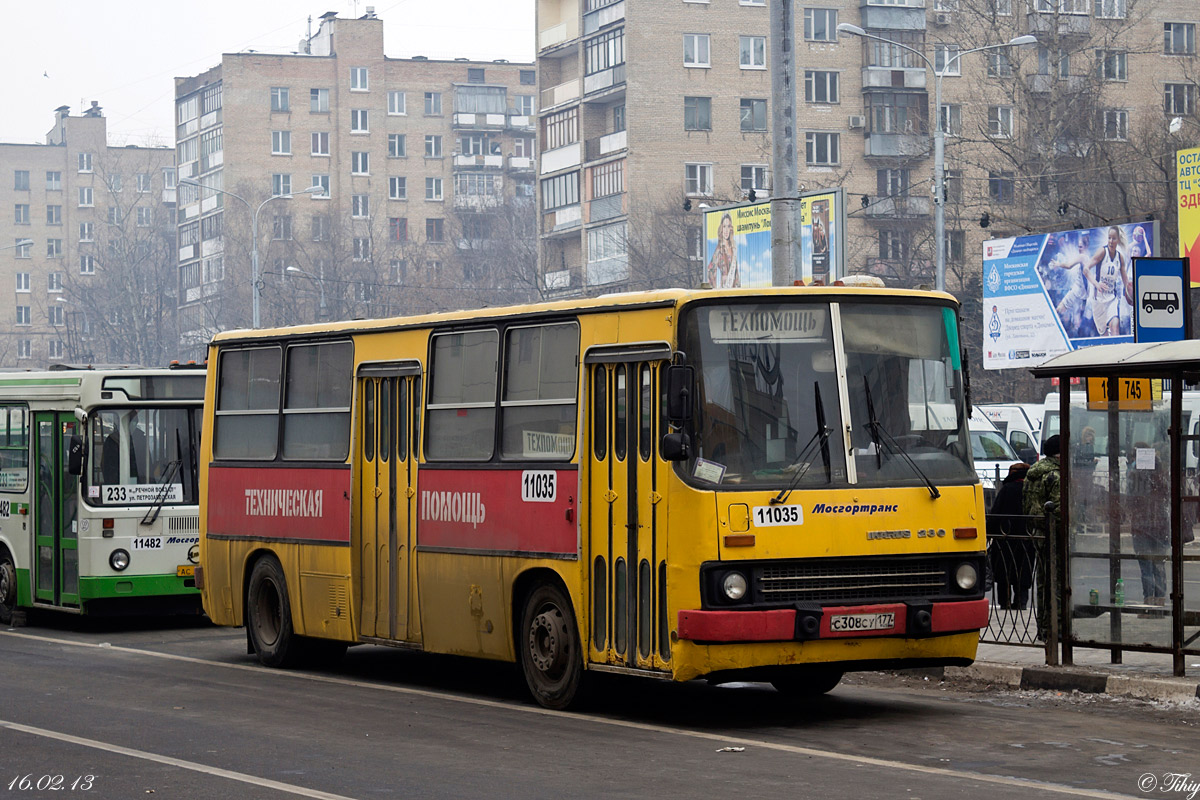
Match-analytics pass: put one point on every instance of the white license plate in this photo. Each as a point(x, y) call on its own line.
point(148, 543)
point(846, 623)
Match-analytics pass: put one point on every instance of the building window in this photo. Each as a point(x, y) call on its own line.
point(281, 143)
point(87, 232)
point(358, 79)
point(435, 230)
point(23, 282)
point(697, 113)
point(54, 282)
point(54, 248)
point(998, 65)
point(528, 77)
point(604, 52)
point(894, 245)
point(21, 213)
point(280, 99)
point(433, 104)
point(752, 52)
point(145, 216)
point(1001, 187)
point(608, 179)
point(281, 184)
point(21, 180)
point(169, 177)
point(1001, 8)
point(475, 75)
point(1000, 122)
point(115, 219)
point(523, 105)
point(320, 228)
point(820, 86)
point(362, 248)
point(698, 180)
point(897, 112)
point(54, 215)
point(1110, 65)
point(23, 248)
point(820, 24)
point(360, 206)
point(318, 100)
point(753, 114)
point(320, 144)
point(560, 129)
point(143, 182)
point(1110, 9)
point(560, 191)
point(397, 188)
point(210, 227)
point(433, 146)
point(281, 227)
point(87, 265)
point(950, 119)
point(892, 182)
point(397, 104)
point(754, 176)
point(1179, 99)
point(53, 181)
point(822, 149)
point(24, 348)
point(695, 50)
point(360, 163)
point(433, 188)
point(321, 184)
point(398, 229)
point(1179, 38)
point(115, 183)
point(396, 145)
point(1116, 124)
point(946, 60)
point(23, 315)
point(85, 162)
point(359, 122)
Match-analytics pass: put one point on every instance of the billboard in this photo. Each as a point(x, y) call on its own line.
point(1049, 293)
point(738, 241)
point(1187, 167)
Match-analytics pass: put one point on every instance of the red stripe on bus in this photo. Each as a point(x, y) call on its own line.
point(303, 503)
point(737, 626)
point(968, 615)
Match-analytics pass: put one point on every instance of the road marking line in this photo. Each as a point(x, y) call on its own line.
point(173, 762)
point(1027, 783)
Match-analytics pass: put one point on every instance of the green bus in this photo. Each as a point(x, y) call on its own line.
point(99, 490)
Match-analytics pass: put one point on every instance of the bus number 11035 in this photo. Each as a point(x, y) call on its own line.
point(777, 515)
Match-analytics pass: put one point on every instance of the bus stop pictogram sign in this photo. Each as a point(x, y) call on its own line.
point(1161, 307)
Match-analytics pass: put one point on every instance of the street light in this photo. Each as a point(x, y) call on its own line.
point(320, 283)
point(939, 136)
point(20, 243)
point(256, 286)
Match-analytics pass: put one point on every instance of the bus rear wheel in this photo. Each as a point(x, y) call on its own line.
point(269, 616)
point(548, 641)
point(806, 683)
point(8, 589)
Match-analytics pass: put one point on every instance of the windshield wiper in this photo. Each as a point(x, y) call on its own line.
point(880, 436)
point(164, 488)
point(822, 436)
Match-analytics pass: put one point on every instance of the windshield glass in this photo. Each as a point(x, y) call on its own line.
point(904, 372)
point(760, 371)
point(139, 456)
point(990, 446)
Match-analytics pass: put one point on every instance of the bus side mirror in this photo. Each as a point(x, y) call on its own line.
point(675, 446)
point(681, 380)
point(75, 454)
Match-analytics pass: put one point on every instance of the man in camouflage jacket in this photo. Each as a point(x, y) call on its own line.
point(1042, 485)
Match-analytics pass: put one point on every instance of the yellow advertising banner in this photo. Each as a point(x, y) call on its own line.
point(1187, 163)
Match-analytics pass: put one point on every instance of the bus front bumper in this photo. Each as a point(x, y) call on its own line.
point(804, 623)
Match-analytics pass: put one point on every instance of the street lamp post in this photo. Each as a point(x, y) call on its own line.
point(939, 136)
point(256, 286)
point(20, 243)
point(320, 281)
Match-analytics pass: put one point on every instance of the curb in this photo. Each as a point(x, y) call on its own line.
point(1065, 679)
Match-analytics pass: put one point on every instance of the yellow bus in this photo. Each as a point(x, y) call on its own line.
point(741, 485)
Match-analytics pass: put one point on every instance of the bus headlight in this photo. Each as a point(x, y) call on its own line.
point(966, 576)
point(734, 585)
point(118, 560)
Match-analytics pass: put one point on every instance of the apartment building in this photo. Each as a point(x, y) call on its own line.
point(650, 110)
point(82, 236)
point(366, 185)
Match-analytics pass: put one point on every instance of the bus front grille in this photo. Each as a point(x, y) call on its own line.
point(837, 580)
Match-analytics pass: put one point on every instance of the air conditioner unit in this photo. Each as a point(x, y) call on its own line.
point(857, 121)
point(943, 18)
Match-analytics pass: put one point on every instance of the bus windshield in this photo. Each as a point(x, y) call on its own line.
point(768, 388)
point(143, 456)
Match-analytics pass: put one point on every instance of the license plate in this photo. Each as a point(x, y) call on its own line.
point(846, 623)
point(186, 571)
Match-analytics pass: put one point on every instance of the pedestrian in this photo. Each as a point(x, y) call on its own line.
point(1149, 516)
point(1010, 548)
point(1042, 486)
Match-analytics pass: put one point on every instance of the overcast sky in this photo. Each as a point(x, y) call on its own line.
point(126, 53)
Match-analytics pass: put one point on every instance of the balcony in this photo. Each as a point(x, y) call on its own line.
point(557, 281)
point(899, 208)
point(1044, 84)
point(480, 121)
point(910, 17)
point(495, 162)
point(603, 146)
point(608, 270)
point(561, 158)
point(606, 208)
point(520, 122)
point(893, 78)
point(1059, 24)
point(602, 16)
point(558, 34)
point(567, 218)
point(520, 163)
point(557, 95)
point(604, 79)
point(893, 145)
point(477, 202)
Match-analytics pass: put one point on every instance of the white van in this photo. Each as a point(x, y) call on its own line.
point(1014, 423)
point(992, 453)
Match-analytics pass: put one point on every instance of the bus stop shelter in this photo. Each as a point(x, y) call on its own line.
point(1129, 569)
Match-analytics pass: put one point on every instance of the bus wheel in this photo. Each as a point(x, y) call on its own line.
point(269, 616)
point(549, 645)
point(804, 683)
point(8, 589)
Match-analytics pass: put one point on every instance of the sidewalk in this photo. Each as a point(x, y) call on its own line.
point(1145, 676)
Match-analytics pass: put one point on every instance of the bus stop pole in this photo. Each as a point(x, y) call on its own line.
point(1114, 513)
point(1177, 473)
point(1059, 549)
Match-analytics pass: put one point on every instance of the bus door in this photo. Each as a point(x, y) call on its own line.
point(626, 529)
point(387, 491)
point(55, 524)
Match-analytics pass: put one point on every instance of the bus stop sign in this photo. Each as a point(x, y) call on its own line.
point(1162, 312)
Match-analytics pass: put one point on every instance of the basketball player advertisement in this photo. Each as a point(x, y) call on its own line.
point(1049, 293)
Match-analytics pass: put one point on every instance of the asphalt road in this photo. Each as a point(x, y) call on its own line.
point(176, 709)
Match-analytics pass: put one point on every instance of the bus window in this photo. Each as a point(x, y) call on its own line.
point(600, 412)
point(387, 413)
point(369, 421)
point(147, 446)
point(645, 415)
point(14, 449)
point(462, 397)
point(316, 406)
point(619, 425)
point(247, 402)
point(402, 420)
point(538, 406)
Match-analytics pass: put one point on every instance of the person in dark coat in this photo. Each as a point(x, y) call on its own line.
point(1011, 549)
